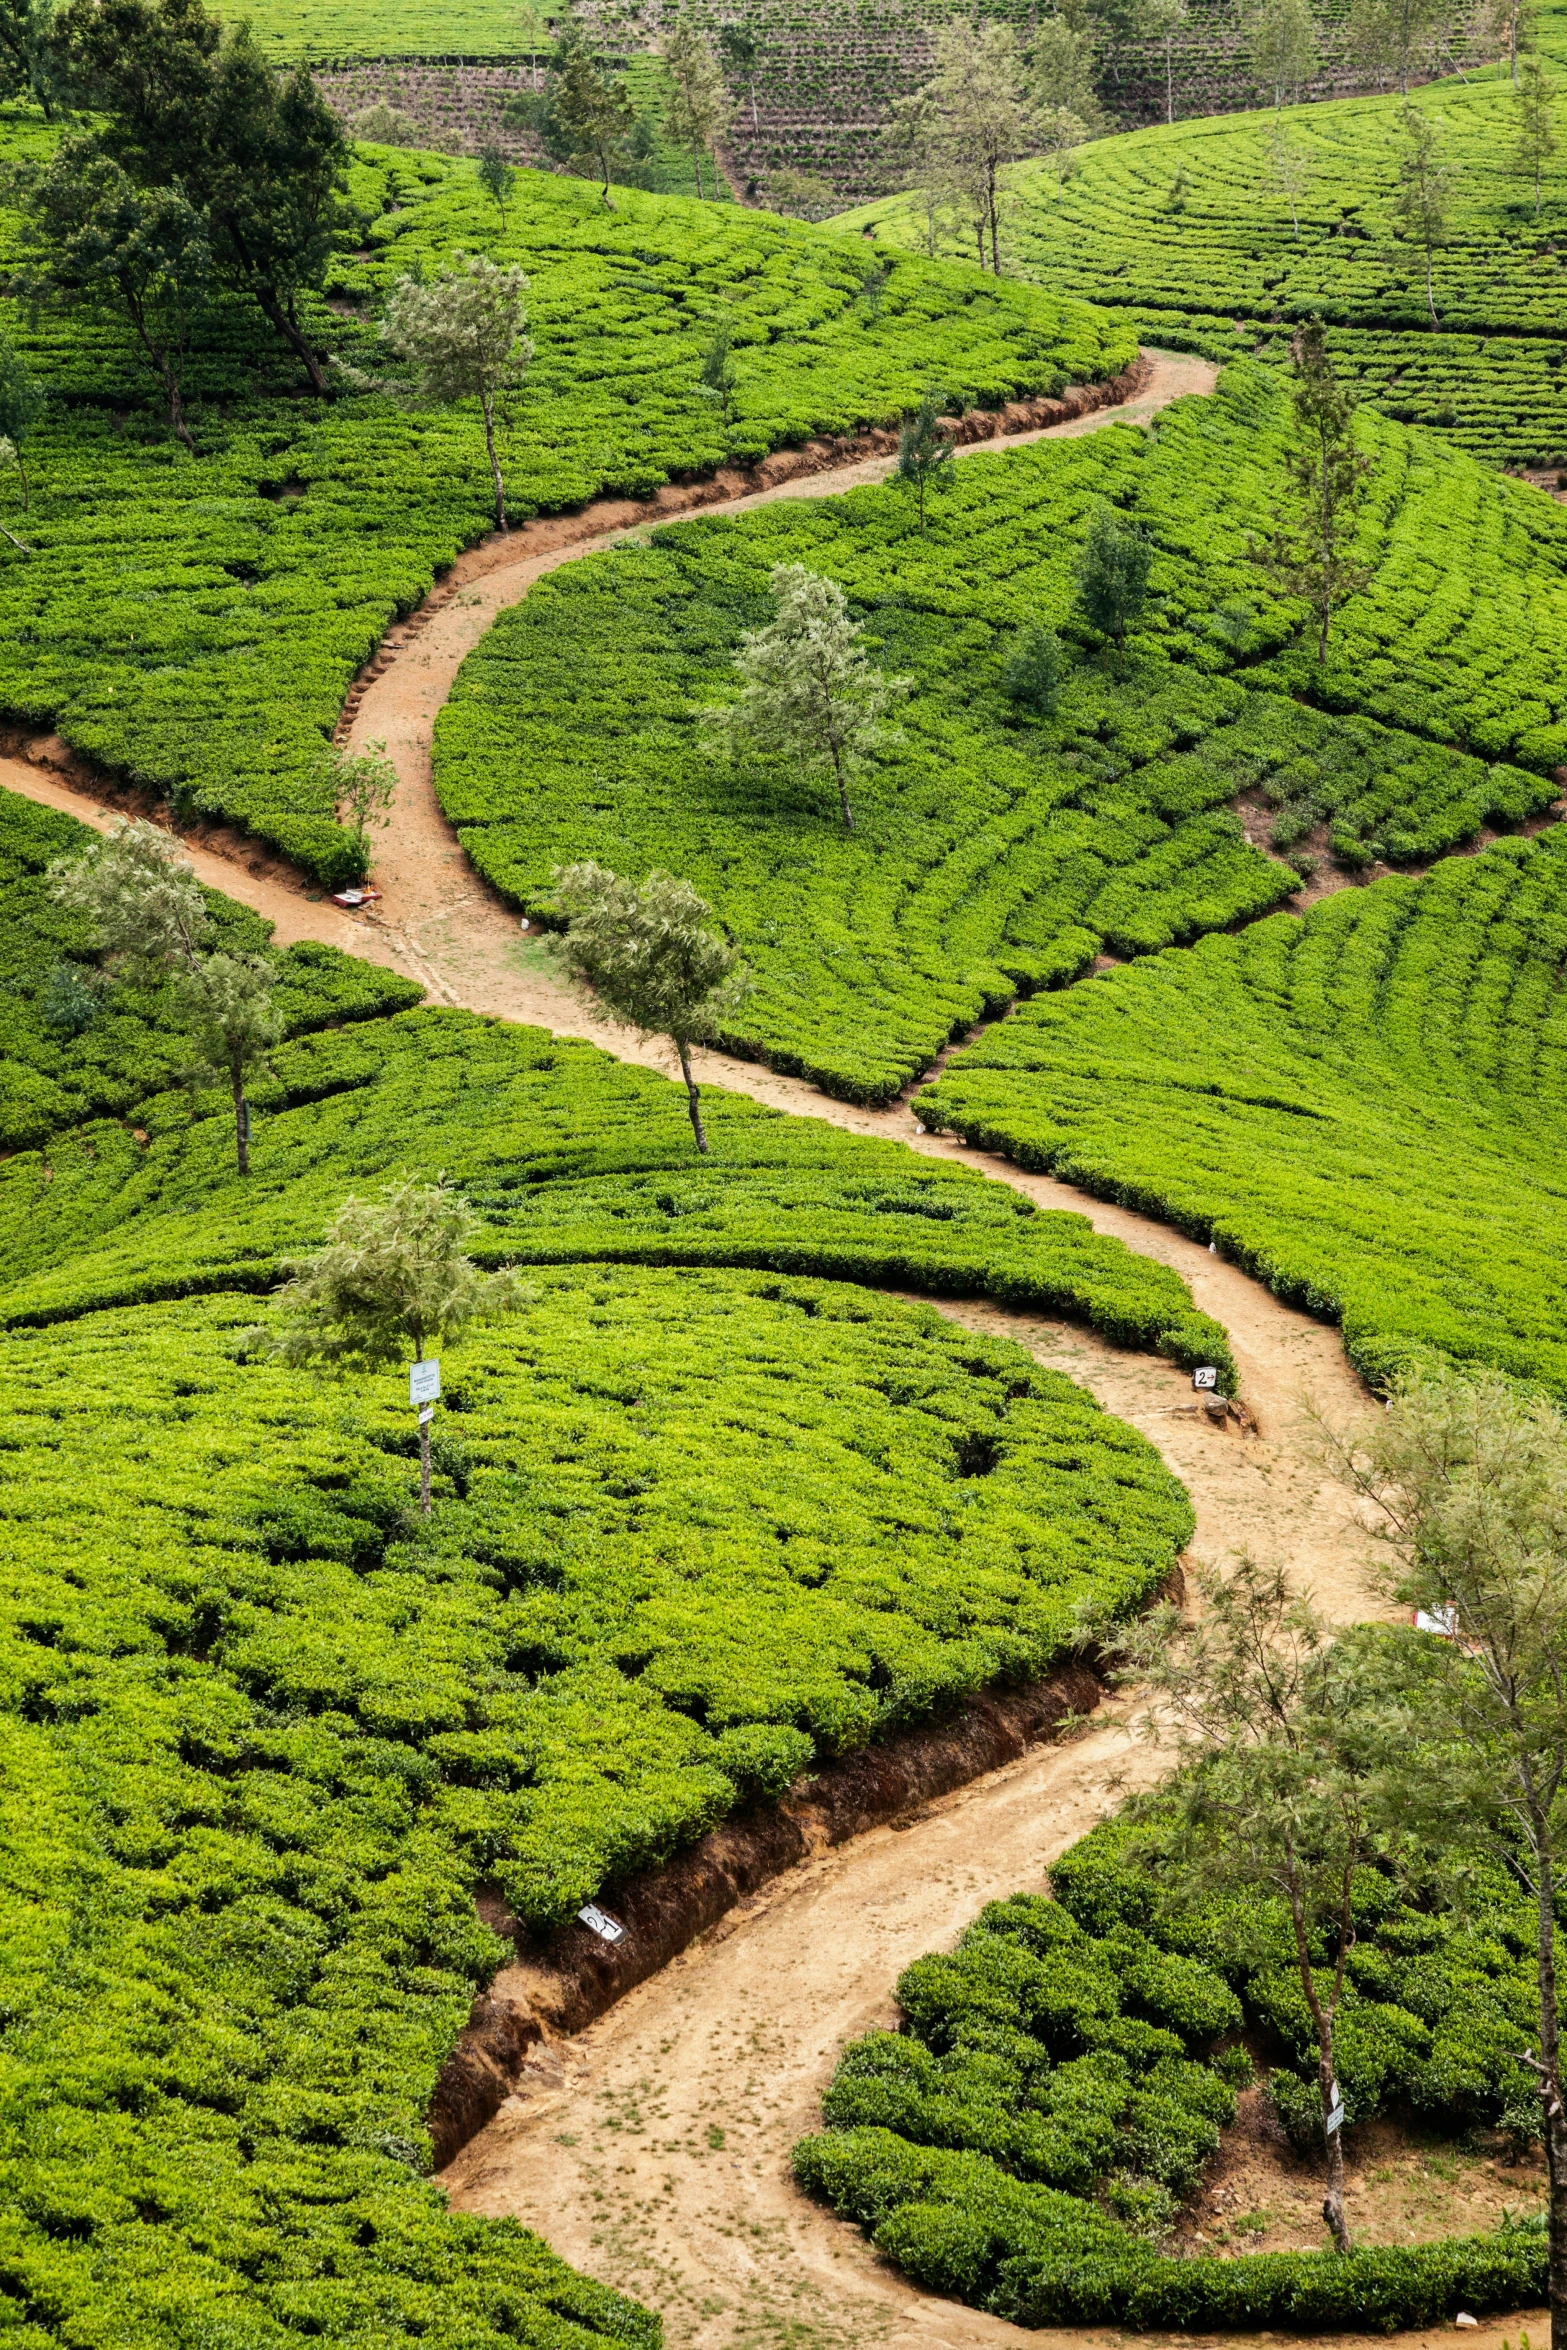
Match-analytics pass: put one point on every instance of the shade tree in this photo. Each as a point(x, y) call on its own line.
point(462, 332)
point(810, 693)
point(394, 1275)
point(650, 955)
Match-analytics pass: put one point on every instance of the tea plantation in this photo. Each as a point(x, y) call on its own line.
point(1062, 2078)
point(194, 624)
point(1185, 231)
point(1359, 1107)
point(994, 852)
point(708, 1507)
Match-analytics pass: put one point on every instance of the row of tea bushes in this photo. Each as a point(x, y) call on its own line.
point(1060, 2080)
point(1360, 1107)
point(193, 623)
point(995, 851)
point(1187, 230)
point(575, 1156)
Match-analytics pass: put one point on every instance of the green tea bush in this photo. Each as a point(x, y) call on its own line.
point(1059, 2082)
point(570, 1155)
point(707, 1511)
point(1225, 271)
point(265, 1729)
point(996, 852)
point(1360, 1107)
point(194, 624)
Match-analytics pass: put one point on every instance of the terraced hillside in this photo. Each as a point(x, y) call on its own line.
point(1188, 233)
point(825, 81)
point(267, 1729)
point(1360, 1106)
point(193, 625)
point(996, 851)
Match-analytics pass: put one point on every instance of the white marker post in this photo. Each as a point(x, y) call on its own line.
point(1206, 1379)
point(424, 1385)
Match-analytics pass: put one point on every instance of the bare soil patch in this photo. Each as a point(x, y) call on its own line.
point(1404, 2184)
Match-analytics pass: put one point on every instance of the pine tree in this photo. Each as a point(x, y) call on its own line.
point(1420, 202)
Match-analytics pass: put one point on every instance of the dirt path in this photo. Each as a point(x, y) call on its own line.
point(609, 2148)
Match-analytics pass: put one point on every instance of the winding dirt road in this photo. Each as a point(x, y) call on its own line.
point(652, 2149)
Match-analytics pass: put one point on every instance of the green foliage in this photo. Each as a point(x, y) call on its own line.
point(1358, 1107)
point(1112, 574)
point(129, 1041)
point(194, 624)
point(991, 858)
point(709, 1511)
point(1245, 254)
point(1056, 2085)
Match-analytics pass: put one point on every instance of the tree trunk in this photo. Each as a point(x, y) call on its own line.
point(756, 120)
point(1430, 295)
point(276, 315)
point(1169, 77)
point(161, 364)
point(1555, 2122)
point(693, 1097)
point(487, 403)
point(843, 788)
point(1333, 2140)
point(241, 1124)
point(424, 1465)
point(1333, 2200)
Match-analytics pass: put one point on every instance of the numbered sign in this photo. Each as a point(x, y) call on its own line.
point(1334, 2122)
point(601, 1923)
point(1205, 1377)
point(424, 1382)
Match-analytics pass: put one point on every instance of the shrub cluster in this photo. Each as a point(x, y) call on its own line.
point(1060, 2080)
point(194, 625)
point(998, 849)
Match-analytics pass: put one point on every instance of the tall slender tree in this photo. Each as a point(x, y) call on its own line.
point(462, 332)
point(741, 52)
point(1467, 1473)
point(1421, 198)
point(1285, 1785)
point(1288, 169)
point(699, 109)
point(980, 117)
point(1534, 118)
point(1283, 45)
point(1160, 21)
point(925, 453)
point(1311, 552)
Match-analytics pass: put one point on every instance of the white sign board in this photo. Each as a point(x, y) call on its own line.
point(601, 1923)
point(1205, 1376)
point(424, 1382)
point(1335, 2121)
point(1443, 1620)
